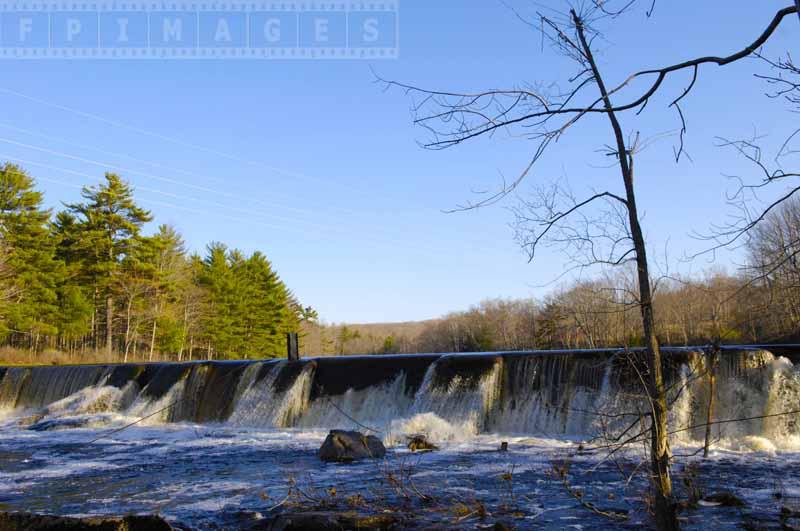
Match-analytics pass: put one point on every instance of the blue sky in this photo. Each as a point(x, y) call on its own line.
point(314, 164)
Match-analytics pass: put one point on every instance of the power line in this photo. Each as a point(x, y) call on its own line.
point(102, 164)
point(176, 141)
point(159, 166)
point(392, 244)
point(106, 152)
point(168, 194)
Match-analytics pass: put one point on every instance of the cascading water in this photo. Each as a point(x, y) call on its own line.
point(264, 402)
point(448, 397)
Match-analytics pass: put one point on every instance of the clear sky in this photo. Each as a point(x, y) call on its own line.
point(314, 164)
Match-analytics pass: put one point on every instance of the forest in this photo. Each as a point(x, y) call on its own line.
point(760, 303)
point(86, 284)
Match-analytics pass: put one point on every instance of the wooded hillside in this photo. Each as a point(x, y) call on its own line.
point(758, 304)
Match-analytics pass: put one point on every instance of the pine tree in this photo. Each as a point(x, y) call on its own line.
point(76, 312)
point(74, 315)
point(250, 308)
point(268, 316)
point(66, 281)
point(166, 254)
point(217, 278)
point(110, 230)
point(7, 290)
point(31, 257)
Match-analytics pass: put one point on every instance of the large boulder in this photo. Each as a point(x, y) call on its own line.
point(345, 446)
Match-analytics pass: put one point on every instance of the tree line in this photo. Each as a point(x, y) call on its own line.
point(89, 282)
point(758, 304)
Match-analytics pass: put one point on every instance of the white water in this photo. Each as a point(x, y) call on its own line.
point(193, 471)
point(554, 397)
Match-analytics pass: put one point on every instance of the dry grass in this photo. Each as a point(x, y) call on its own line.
point(22, 357)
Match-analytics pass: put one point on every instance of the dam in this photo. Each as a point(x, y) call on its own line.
point(534, 393)
point(211, 437)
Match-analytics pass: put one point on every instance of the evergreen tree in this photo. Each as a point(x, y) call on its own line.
point(91, 275)
point(166, 255)
point(110, 230)
point(7, 290)
point(250, 308)
point(31, 257)
point(76, 311)
point(74, 315)
point(269, 315)
point(217, 278)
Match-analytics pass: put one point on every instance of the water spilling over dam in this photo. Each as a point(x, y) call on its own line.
point(449, 397)
point(213, 445)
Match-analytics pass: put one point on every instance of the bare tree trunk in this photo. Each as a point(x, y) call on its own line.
point(665, 509)
point(128, 328)
point(153, 338)
point(109, 325)
point(94, 320)
point(185, 331)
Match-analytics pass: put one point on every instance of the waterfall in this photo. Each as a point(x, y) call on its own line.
point(454, 402)
point(578, 394)
point(277, 399)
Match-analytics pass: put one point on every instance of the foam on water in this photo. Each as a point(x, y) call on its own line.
point(455, 399)
point(260, 404)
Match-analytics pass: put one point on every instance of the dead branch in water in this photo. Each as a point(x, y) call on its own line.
point(561, 471)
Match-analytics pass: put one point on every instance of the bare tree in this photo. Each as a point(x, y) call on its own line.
point(543, 115)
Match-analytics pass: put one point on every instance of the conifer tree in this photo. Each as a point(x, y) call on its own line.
point(250, 308)
point(166, 255)
point(110, 230)
point(25, 231)
point(92, 274)
point(76, 312)
point(268, 315)
point(7, 290)
point(217, 278)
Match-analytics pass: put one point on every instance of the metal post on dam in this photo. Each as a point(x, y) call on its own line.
point(292, 347)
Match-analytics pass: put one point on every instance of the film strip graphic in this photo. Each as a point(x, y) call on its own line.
point(138, 29)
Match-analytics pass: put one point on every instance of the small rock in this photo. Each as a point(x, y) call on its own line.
point(419, 443)
point(346, 446)
point(32, 419)
point(503, 446)
point(724, 499)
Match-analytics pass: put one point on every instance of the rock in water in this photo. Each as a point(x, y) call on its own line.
point(345, 446)
point(724, 499)
point(420, 443)
point(29, 521)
